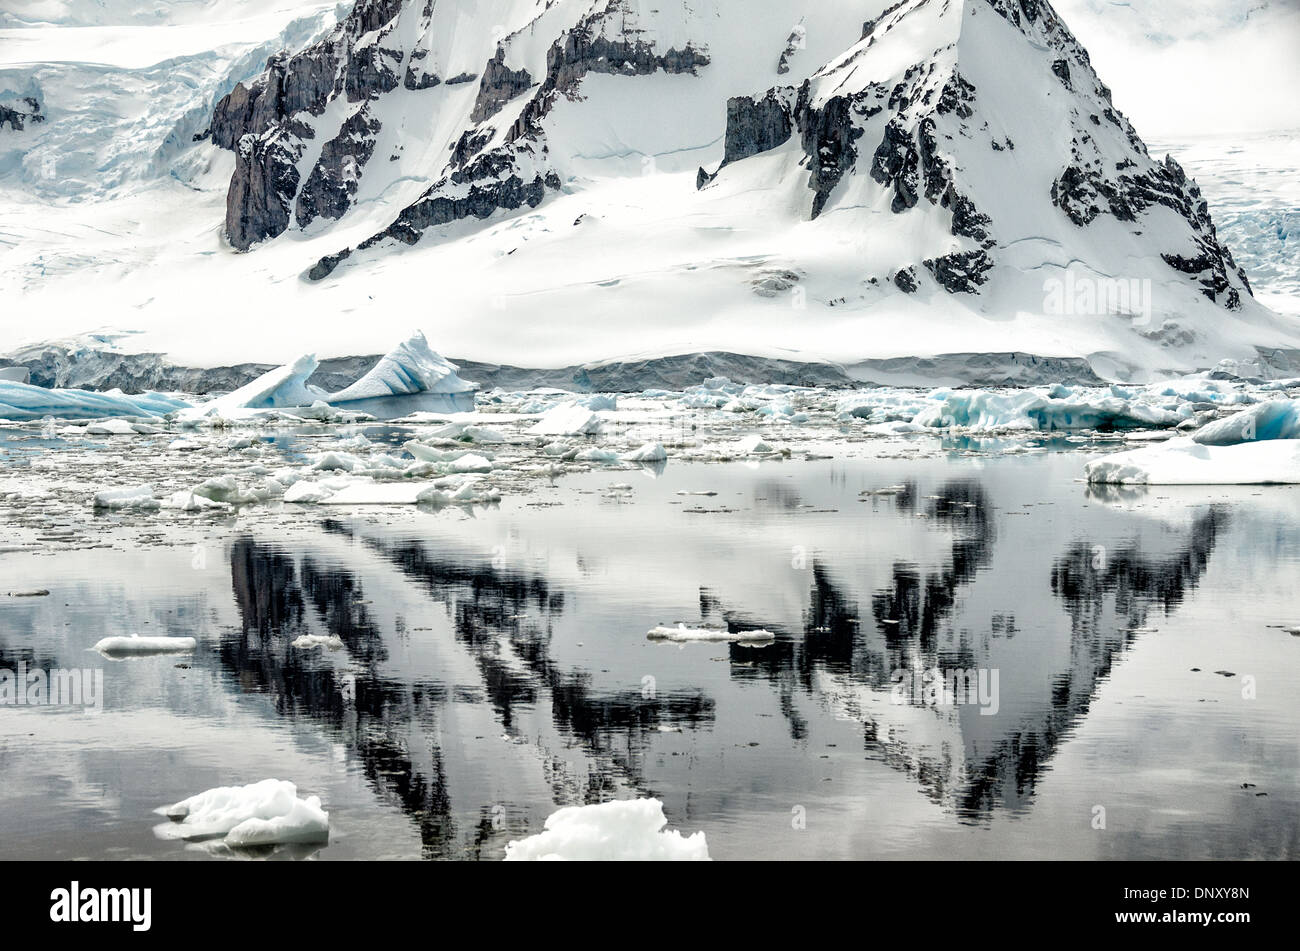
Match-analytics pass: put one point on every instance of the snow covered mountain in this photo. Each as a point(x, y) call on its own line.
point(555, 183)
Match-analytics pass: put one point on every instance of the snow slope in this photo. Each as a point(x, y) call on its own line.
point(620, 255)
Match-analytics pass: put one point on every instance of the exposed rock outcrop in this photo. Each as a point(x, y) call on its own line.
point(17, 113)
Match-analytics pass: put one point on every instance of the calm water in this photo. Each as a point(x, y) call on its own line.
point(496, 666)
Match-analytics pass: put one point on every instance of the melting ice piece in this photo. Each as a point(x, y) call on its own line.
point(682, 634)
point(624, 831)
point(265, 813)
point(140, 646)
point(20, 401)
point(411, 378)
point(134, 497)
point(650, 452)
point(1185, 462)
point(567, 419)
point(310, 641)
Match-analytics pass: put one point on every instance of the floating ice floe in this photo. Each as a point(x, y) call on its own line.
point(1183, 461)
point(567, 419)
point(650, 452)
point(623, 831)
point(754, 445)
point(21, 401)
point(140, 646)
point(311, 641)
point(683, 634)
point(409, 379)
point(265, 813)
point(139, 497)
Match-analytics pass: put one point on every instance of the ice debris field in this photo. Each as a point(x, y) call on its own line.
point(411, 432)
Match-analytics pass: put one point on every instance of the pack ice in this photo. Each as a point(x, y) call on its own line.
point(624, 831)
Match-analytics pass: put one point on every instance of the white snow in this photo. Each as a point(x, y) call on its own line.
point(1183, 461)
point(628, 830)
point(264, 813)
point(655, 267)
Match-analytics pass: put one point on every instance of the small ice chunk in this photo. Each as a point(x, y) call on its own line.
point(471, 462)
point(754, 445)
point(627, 830)
point(567, 419)
point(650, 452)
point(111, 427)
point(683, 634)
point(265, 813)
point(138, 497)
point(146, 645)
point(311, 641)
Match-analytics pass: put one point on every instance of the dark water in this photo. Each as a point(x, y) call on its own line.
point(496, 667)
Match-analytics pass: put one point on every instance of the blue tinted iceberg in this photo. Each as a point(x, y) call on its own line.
point(1276, 419)
point(411, 378)
point(21, 401)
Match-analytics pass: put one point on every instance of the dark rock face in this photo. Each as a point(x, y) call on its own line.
point(828, 136)
point(755, 126)
point(333, 181)
point(896, 165)
point(258, 200)
point(478, 183)
point(18, 113)
point(416, 77)
point(262, 123)
point(905, 280)
point(1085, 192)
point(498, 86)
point(961, 272)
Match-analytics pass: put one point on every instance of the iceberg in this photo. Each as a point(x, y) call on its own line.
point(411, 378)
point(265, 813)
point(622, 831)
point(22, 401)
point(1276, 419)
point(982, 410)
point(1183, 461)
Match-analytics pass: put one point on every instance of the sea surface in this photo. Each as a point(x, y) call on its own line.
point(1136, 681)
